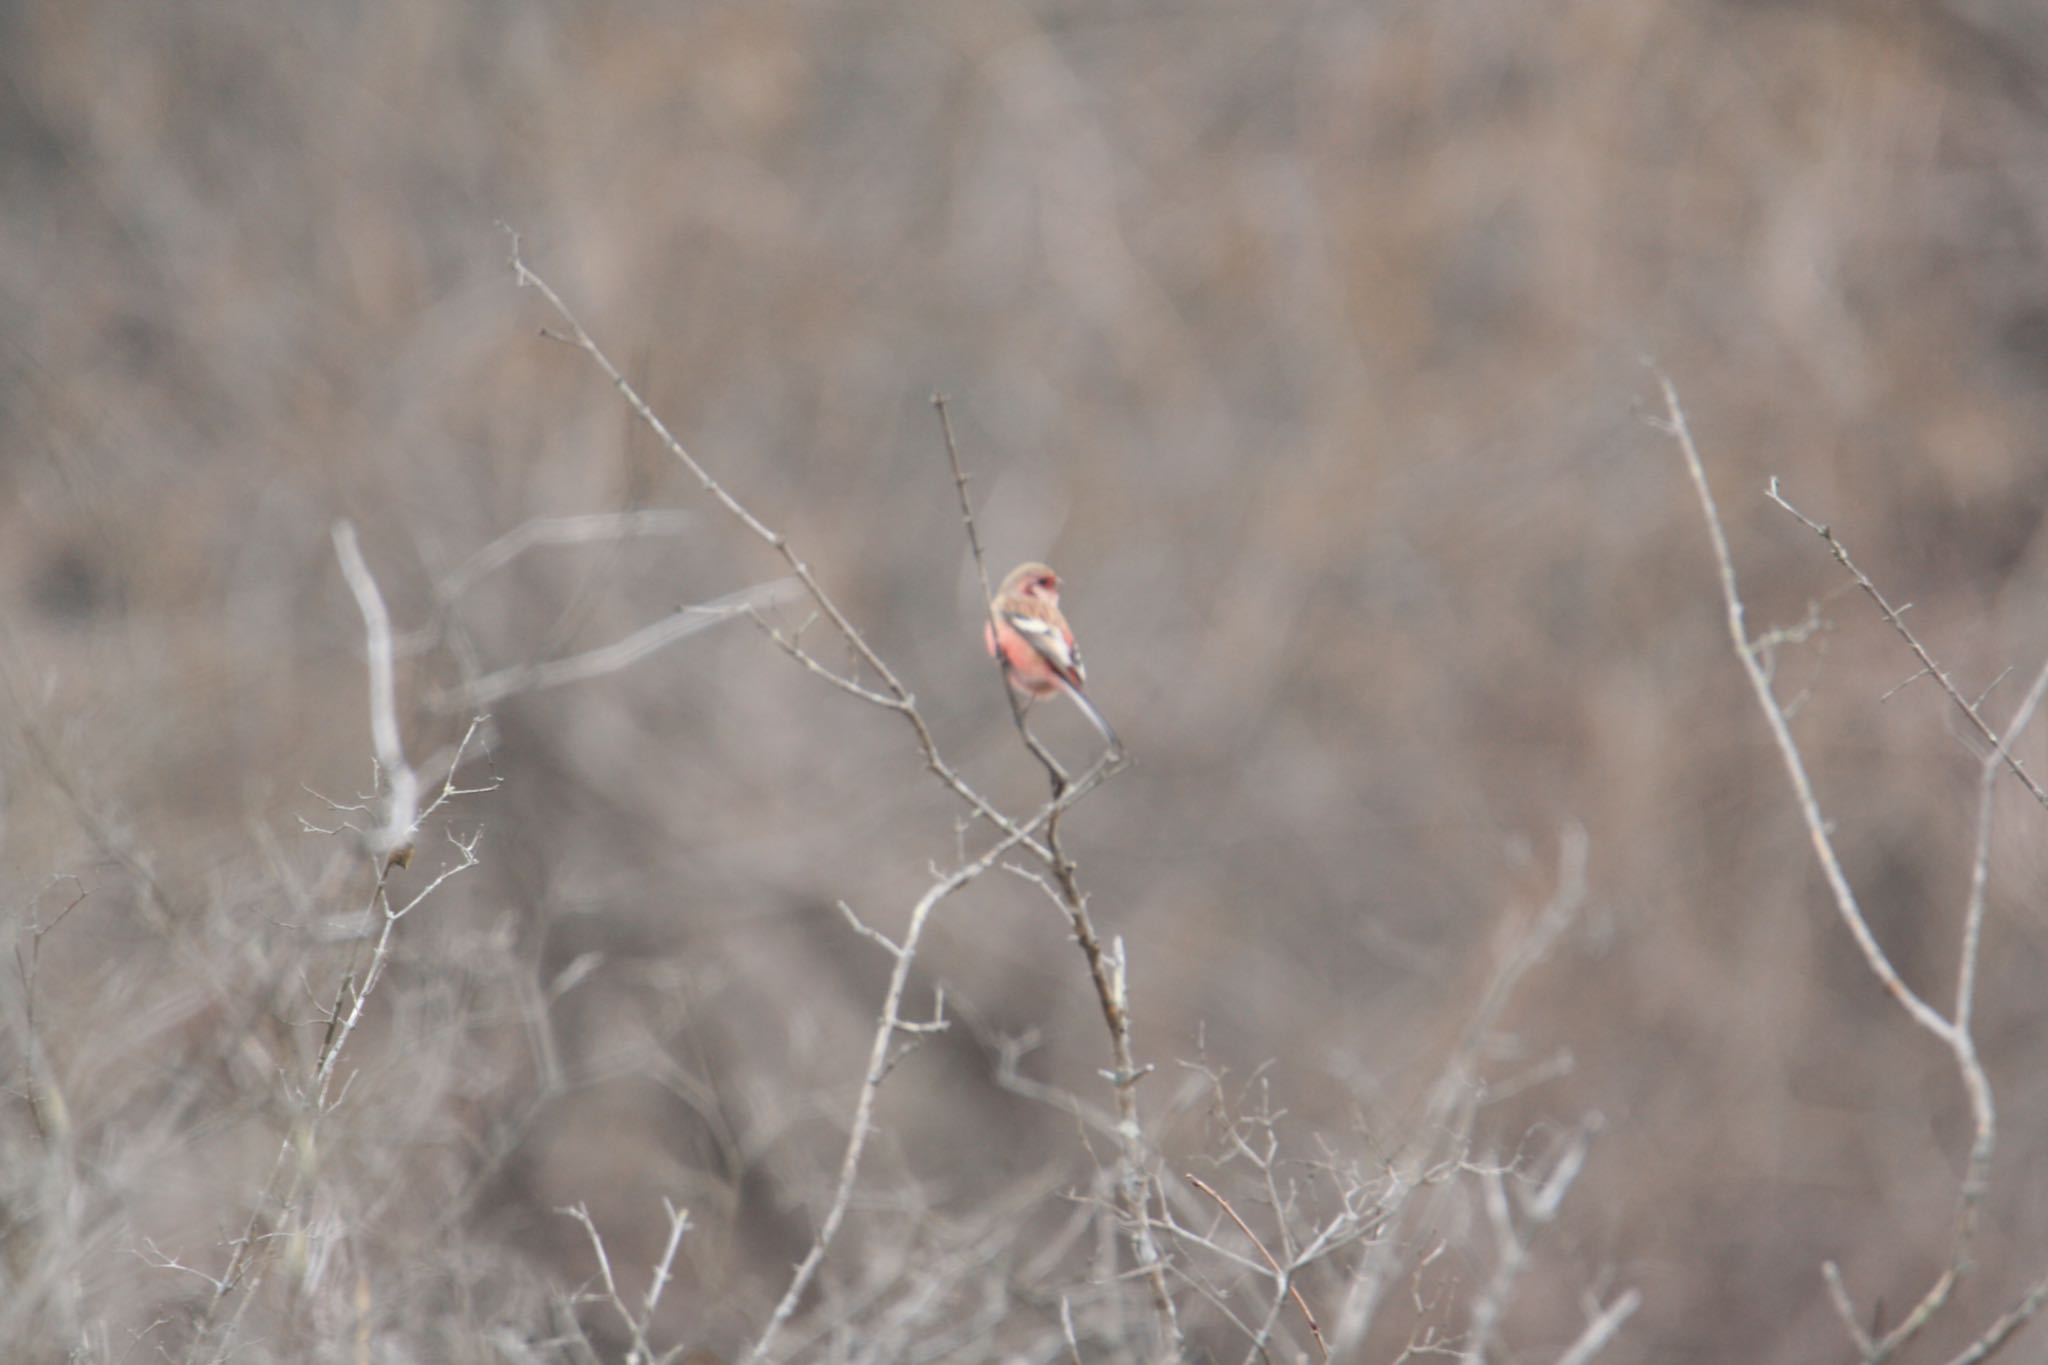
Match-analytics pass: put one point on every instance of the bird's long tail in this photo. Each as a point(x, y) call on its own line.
point(1088, 710)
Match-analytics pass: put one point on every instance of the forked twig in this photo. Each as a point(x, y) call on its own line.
point(636, 1323)
point(1896, 617)
point(879, 1064)
point(1281, 1275)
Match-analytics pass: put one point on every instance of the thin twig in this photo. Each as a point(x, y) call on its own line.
point(1018, 705)
point(966, 505)
point(570, 530)
point(1067, 1329)
point(636, 1323)
point(46, 1106)
point(1845, 1309)
point(1980, 863)
point(611, 658)
point(1539, 1209)
point(1895, 616)
point(2000, 1332)
point(1600, 1329)
point(792, 645)
point(1281, 1276)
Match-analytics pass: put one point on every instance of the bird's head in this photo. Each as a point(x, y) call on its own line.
point(1033, 580)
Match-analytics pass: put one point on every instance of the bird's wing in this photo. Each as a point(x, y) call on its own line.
point(1051, 643)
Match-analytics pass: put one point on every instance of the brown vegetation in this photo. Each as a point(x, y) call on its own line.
point(1468, 918)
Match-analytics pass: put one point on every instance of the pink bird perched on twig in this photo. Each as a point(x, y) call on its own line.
point(1028, 633)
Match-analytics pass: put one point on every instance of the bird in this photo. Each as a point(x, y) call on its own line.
point(1027, 633)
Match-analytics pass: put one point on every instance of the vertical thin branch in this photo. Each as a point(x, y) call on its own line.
point(1107, 971)
point(664, 1269)
point(1980, 864)
point(966, 505)
point(401, 807)
point(1018, 705)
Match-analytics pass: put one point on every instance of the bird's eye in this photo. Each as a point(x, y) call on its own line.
point(1048, 582)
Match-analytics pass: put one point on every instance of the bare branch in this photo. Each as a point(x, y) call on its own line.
point(868, 931)
point(791, 645)
point(570, 530)
point(1601, 1329)
point(966, 505)
point(618, 655)
point(879, 1063)
point(1817, 829)
point(1282, 1277)
point(46, 1105)
point(2000, 1332)
point(581, 1213)
point(636, 1323)
point(1067, 1329)
point(401, 806)
point(1980, 863)
point(1539, 1209)
point(1895, 616)
point(1845, 1309)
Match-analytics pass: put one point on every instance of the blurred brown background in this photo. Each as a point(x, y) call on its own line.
point(1305, 339)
